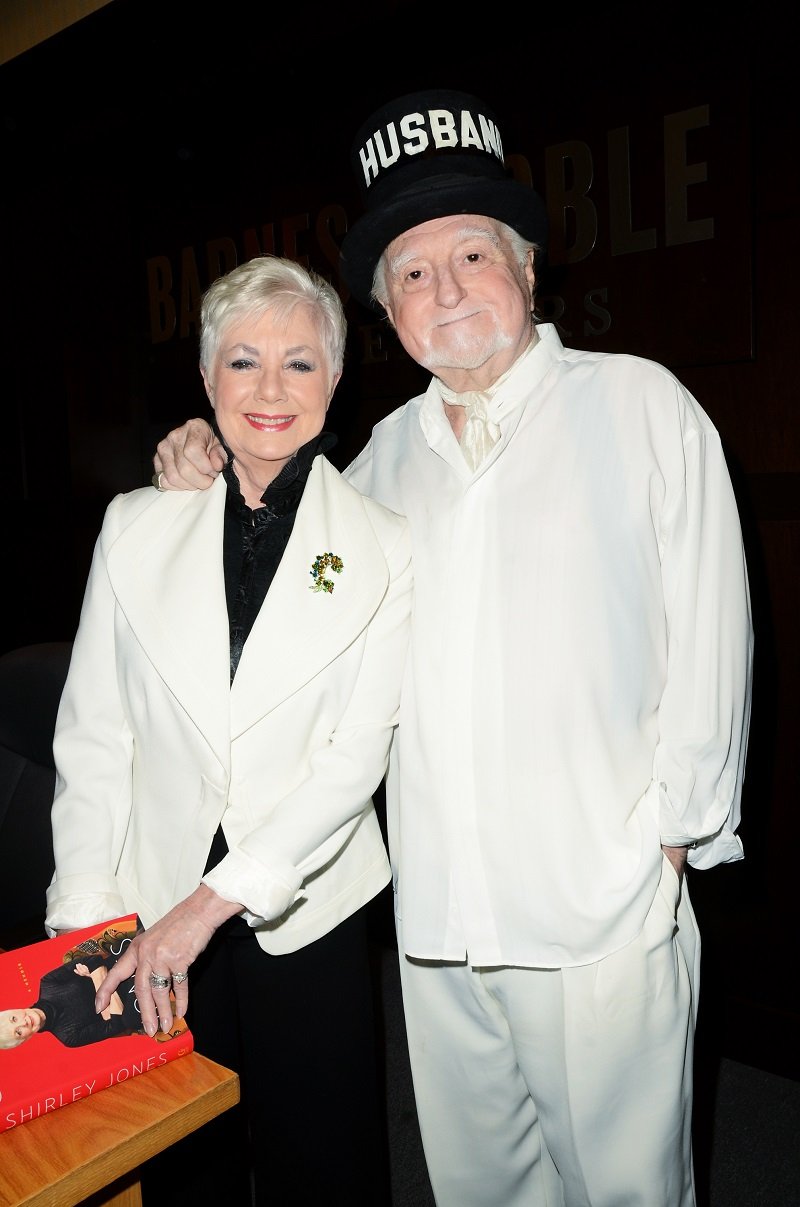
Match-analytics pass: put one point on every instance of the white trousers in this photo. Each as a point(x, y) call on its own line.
point(561, 1087)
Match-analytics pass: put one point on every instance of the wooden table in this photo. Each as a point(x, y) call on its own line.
point(94, 1147)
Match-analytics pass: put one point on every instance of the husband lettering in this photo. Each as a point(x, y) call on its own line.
point(436, 128)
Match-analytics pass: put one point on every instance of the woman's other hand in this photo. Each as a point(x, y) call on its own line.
point(165, 952)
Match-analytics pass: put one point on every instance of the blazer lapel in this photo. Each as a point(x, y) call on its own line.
point(166, 571)
point(300, 630)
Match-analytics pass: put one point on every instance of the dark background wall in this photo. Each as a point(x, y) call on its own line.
point(149, 146)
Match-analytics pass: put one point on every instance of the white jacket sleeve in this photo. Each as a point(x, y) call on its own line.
point(91, 813)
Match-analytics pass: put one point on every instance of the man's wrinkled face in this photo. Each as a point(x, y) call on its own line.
point(457, 294)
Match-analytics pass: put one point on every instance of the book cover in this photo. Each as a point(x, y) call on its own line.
point(54, 1048)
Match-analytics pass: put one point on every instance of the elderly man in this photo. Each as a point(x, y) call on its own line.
point(576, 706)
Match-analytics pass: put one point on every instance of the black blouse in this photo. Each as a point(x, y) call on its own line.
point(254, 540)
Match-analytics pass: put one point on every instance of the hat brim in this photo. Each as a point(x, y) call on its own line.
point(509, 201)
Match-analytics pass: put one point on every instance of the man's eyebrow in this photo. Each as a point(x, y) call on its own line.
point(480, 232)
point(399, 262)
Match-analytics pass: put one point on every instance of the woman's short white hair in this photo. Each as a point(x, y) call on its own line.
point(271, 283)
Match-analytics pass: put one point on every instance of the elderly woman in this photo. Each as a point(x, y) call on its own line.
point(228, 712)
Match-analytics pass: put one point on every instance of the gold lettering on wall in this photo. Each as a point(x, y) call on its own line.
point(330, 228)
point(191, 293)
point(572, 215)
point(679, 175)
point(290, 228)
point(592, 306)
point(161, 301)
point(620, 206)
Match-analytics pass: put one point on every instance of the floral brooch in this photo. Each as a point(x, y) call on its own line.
point(323, 562)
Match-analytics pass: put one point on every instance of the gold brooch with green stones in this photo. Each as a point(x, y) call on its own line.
point(323, 562)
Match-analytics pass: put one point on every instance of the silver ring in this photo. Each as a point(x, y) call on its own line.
point(180, 977)
point(156, 481)
point(159, 982)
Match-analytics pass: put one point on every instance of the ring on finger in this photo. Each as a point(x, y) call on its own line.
point(159, 982)
point(180, 977)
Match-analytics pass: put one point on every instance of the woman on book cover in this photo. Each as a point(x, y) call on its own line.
point(228, 712)
point(65, 1005)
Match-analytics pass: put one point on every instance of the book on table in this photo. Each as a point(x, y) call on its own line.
point(54, 1048)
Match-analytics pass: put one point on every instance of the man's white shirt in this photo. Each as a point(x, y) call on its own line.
point(578, 684)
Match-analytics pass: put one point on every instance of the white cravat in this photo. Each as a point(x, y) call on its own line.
point(480, 433)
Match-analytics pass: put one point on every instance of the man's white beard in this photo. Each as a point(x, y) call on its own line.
point(463, 351)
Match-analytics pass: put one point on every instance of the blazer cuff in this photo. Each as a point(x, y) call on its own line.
point(73, 911)
point(266, 893)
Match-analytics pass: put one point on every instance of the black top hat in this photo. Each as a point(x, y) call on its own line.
point(428, 155)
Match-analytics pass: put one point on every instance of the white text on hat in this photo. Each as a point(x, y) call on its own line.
point(441, 127)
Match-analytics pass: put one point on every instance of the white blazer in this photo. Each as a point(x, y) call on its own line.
point(154, 747)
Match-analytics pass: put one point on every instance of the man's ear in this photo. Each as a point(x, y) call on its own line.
point(208, 386)
point(530, 274)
